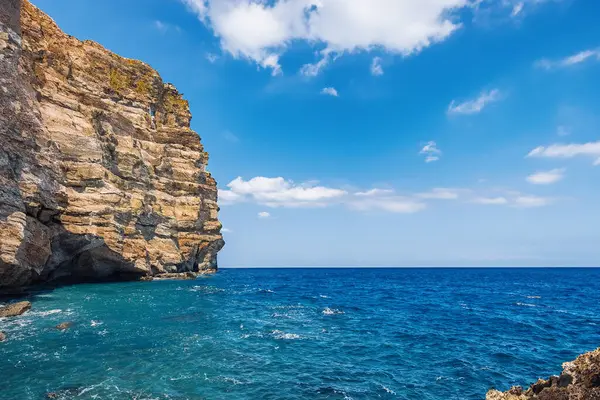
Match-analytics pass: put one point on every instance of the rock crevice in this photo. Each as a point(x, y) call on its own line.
point(101, 175)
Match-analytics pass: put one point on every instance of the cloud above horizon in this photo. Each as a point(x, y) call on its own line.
point(546, 177)
point(262, 31)
point(285, 193)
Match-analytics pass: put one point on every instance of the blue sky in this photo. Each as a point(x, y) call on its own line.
point(383, 132)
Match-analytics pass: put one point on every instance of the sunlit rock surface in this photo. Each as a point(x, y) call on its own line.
point(101, 176)
point(580, 380)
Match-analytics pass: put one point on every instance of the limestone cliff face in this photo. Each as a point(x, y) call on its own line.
point(100, 173)
point(580, 380)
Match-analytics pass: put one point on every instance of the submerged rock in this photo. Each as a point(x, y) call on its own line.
point(64, 326)
point(2, 336)
point(580, 380)
point(101, 176)
point(12, 310)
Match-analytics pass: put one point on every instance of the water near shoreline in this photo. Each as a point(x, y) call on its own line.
point(303, 334)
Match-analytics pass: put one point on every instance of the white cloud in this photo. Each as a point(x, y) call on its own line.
point(163, 27)
point(228, 197)
point(212, 58)
point(440, 194)
point(531, 201)
point(376, 67)
point(393, 204)
point(578, 58)
point(590, 149)
point(546, 177)
point(431, 152)
point(330, 91)
point(279, 192)
point(262, 31)
point(517, 8)
point(264, 214)
point(490, 200)
point(563, 131)
point(476, 105)
point(374, 192)
point(226, 230)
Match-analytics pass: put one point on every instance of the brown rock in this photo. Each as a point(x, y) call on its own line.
point(580, 380)
point(12, 310)
point(101, 176)
point(64, 326)
point(2, 336)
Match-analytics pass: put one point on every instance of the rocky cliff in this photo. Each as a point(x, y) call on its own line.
point(100, 174)
point(580, 380)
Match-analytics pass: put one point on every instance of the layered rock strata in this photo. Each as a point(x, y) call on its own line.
point(101, 176)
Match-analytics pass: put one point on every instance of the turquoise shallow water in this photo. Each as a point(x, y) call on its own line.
point(303, 334)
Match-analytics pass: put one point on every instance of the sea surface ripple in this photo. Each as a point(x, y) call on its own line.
point(418, 334)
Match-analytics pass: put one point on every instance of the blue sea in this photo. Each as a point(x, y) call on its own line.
point(422, 334)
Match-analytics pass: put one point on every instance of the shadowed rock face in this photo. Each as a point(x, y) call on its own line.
point(580, 380)
point(100, 174)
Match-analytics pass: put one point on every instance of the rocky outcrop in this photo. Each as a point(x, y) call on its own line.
point(580, 380)
point(101, 176)
point(12, 310)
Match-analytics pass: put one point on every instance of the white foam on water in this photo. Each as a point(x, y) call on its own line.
point(332, 311)
point(95, 323)
point(45, 313)
point(277, 334)
point(388, 390)
point(526, 305)
point(534, 297)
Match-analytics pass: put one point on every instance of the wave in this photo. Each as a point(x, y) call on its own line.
point(277, 334)
point(332, 311)
point(526, 305)
point(206, 289)
point(44, 313)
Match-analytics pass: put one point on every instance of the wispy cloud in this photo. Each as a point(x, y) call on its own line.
point(231, 137)
point(440, 194)
point(431, 152)
point(578, 58)
point(164, 27)
point(376, 67)
point(513, 199)
point(264, 214)
point(474, 106)
point(531, 201)
point(284, 193)
point(490, 200)
point(212, 57)
point(590, 149)
point(330, 91)
point(517, 9)
point(546, 177)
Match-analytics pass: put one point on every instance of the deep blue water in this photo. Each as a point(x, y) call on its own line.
point(423, 334)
